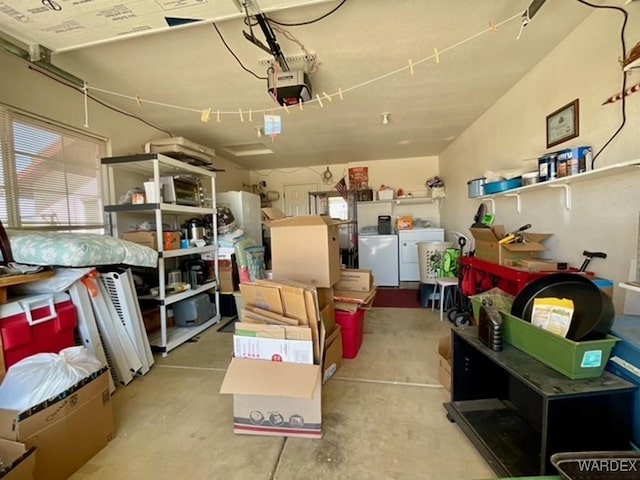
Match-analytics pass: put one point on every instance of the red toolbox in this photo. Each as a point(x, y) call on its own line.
point(36, 324)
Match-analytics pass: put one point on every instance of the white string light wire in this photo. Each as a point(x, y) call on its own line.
point(341, 91)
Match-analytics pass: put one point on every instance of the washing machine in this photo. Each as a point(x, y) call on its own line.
point(409, 265)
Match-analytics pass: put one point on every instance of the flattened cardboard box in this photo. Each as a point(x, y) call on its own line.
point(18, 463)
point(332, 359)
point(67, 431)
point(275, 398)
point(489, 250)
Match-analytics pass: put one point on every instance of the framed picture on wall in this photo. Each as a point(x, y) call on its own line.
point(563, 124)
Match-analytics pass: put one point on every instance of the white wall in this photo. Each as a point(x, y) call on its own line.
point(33, 92)
point(409, 174)
point(604, 216)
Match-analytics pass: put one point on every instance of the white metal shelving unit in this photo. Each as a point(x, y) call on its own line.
point(563, 183)
point(155, 165)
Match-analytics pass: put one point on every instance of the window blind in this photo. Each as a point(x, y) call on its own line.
point(49, 175)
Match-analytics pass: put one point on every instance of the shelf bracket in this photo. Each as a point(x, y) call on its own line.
point(518, 201)
point(567, 193)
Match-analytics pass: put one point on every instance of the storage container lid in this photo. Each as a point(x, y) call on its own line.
point(482, 180)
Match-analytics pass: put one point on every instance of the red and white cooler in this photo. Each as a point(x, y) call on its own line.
point(36, 324)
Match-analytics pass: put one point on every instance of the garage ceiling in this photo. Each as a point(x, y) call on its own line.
point(435, 66)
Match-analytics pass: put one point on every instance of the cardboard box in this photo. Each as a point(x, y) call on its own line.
point(328, 315)
point(355, 280)
point(332, 360)
point(489, 250)
point(306, 249)
point(275, 398)
point(444, 362)
point(67, 430)
point(18, 462)
point(149, 239)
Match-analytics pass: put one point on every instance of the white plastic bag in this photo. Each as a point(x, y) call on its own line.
point(45, 375)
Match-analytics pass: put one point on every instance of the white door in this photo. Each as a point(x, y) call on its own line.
point(296, 198)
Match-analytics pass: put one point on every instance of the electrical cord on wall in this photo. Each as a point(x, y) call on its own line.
point(308, 22)
point(624, 74)
point(235, 56)
point(100, 102)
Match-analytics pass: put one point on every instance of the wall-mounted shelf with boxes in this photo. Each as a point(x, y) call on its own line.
point(154, 166)
point(563, 183)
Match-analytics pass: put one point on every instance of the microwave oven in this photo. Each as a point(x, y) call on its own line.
point(182, 190)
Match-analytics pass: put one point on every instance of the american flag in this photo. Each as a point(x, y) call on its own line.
point(341, 187)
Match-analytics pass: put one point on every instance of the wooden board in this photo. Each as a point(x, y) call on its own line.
point(6, 282)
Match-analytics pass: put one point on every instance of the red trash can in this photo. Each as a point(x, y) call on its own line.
point(352, 325)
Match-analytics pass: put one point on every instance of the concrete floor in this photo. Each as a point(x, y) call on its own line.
point(382, 417)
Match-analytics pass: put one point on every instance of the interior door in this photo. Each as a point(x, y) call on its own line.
point(296, 198)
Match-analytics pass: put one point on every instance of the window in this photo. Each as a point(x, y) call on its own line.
point(49, 175)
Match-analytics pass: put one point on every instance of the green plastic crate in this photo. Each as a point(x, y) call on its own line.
point(575, 360)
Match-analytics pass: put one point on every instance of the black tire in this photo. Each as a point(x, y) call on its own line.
point(451, 314)
point(463, 319)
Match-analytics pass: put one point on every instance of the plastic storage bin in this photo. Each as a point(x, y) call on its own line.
point(352, 325)
point(625, 360)
point(37, 324)
point(575, 360)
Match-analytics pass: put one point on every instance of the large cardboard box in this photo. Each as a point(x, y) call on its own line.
point(275, 398)
point(305, 248)
point(444, 362)
point(67, 430)
point(355, 280)
point(18, 463)
point(489, 250)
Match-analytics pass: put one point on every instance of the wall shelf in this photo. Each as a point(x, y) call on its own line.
point(401, 201)
point(563, 183)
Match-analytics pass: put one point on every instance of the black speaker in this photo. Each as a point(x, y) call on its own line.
point(384, 224)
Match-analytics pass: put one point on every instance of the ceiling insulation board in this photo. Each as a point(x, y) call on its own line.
point(61, 25)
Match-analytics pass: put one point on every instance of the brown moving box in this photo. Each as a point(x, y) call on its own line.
point(489, 250)
point(67, 430)
point(275, 398)
point(355, 280)
point(149, 239)
point(18, 463)
point(444, 362)
point(304, 248)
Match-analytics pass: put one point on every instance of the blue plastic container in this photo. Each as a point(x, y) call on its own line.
point(625, 360)
point(501, 186)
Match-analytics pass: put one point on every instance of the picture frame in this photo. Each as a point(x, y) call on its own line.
point(563, 124)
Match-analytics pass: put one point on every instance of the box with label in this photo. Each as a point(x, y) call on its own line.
point(66, 430)
point(273, 349)
point(489, 249)
point(306, 249)
point(275, 398)
point(355, 280)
